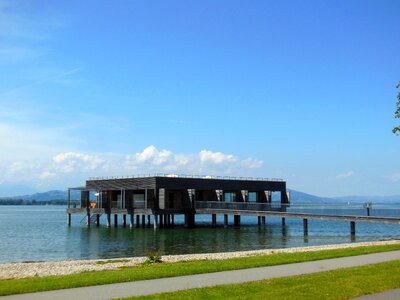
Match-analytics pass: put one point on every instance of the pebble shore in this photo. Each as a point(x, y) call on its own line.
point(33, 269)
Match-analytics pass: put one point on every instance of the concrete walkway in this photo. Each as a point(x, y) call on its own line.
point(387, 295)
point(146, 287)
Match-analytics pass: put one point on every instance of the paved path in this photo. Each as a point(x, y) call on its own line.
point(387, 295)
point(146, 287)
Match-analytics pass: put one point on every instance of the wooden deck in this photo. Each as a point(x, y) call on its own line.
point(275, 210)
point(242, 209)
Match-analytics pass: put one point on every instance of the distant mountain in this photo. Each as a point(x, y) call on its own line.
point(296, 196)
point(46, 196)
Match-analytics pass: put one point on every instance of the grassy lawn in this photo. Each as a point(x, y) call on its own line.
point(332, 285)
point(161, 270)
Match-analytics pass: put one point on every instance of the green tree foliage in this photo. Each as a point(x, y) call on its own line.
point(396, 130)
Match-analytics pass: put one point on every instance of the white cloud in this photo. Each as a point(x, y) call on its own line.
point(252, 163)
point(76, 162)
point(70, 168)
point(216, 157)
point(152, 155)
point(345, 175)
point(46, 175)
point(152, 159)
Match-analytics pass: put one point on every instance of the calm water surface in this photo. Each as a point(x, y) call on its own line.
point(37, 233)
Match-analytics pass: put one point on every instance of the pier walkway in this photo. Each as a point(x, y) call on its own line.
point(147, 287)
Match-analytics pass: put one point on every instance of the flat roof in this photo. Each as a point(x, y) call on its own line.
point(179, 182)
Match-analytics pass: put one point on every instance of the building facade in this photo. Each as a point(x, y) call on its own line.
point(161, 197)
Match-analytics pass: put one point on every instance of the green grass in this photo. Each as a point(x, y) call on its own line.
point(162, 270)
point(332, 285)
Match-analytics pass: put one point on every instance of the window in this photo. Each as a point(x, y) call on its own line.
point(253, 196)
point(229, 197)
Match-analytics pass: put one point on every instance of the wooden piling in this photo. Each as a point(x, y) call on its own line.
point(225, 220)
point(305, 226)
point(155, 221)
point(108, 223)
point(214, 220)
point(88, 218)
point(352, 227)
point(236, 220)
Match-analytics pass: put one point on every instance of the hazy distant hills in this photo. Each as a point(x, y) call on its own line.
point(45, 196)
point(295, 197)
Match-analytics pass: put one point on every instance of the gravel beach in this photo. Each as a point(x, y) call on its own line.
point(32, 269)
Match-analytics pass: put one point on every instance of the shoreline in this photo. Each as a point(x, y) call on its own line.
point(66, 267)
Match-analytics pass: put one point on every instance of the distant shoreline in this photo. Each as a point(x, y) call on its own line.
point(21, 202)
point(33, 269)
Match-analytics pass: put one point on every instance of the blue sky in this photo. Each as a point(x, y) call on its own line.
point(299, 90)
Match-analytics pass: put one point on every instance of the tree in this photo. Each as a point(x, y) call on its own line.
point(396, 130)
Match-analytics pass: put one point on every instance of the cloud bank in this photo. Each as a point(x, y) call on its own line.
point(75, 166)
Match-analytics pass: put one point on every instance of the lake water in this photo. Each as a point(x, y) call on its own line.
point(38, 233)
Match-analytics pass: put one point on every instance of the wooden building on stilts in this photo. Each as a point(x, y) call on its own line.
point(156, 200)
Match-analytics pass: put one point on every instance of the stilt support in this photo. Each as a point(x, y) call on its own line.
point(143, 220)
point(124, 221)
point(283, 221)
point(108, 224)
point(88, 218)
point(263, 220)
point(189, 219)
point(97, 220)
point(352, 227)
point(115, 220)
point(137, 220)
point(69, 219)
point(131, 220)
point(214, 220)
point(236, 220)
point(155, 221)
point(305, 226)
point(225, 221)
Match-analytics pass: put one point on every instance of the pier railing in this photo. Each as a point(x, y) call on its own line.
point(186, 176)
point(252, 206)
